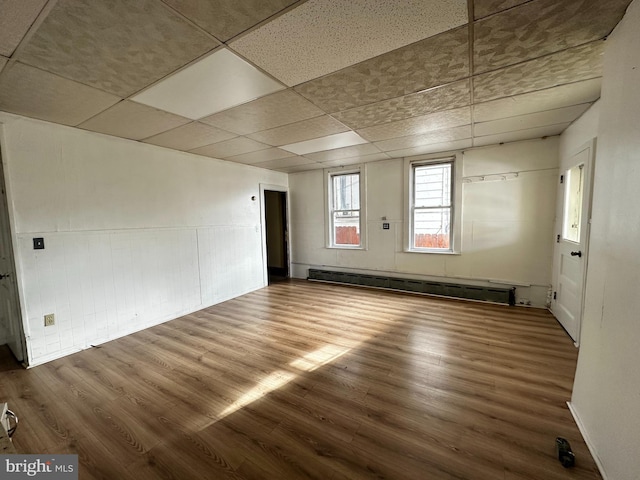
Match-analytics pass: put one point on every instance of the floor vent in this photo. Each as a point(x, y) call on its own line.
point(471, 292)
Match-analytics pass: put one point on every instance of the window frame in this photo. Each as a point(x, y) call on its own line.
point(455, 231)
point(329, 174)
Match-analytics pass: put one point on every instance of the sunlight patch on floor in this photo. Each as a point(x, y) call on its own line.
point(278, 379)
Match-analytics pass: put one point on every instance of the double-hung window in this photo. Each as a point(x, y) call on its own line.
point(345, 209)
point(431, 211)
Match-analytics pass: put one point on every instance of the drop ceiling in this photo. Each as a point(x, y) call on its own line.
point(293, 86)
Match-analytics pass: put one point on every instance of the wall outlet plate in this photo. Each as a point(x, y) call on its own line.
point(49, 320)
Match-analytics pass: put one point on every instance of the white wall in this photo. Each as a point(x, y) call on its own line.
point(135, 234)
point(606, 394)
point(580, 132)
point(507, 224)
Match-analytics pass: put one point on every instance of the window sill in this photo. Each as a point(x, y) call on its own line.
point(345, 247)
point(437, 252)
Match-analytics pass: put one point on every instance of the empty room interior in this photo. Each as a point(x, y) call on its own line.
point(321, 239)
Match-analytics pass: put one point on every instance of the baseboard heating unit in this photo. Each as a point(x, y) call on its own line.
point(505, 295)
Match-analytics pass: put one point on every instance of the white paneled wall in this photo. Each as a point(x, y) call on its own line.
point(507, 225)
point(230, 262)
point(134, 234)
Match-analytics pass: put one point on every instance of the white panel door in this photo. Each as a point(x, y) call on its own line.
point(570, 258)
point(10, 320)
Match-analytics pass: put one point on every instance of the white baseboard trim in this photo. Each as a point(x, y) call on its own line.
point(587, 440)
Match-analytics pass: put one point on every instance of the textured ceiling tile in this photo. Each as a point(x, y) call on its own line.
point(418, 125)
point(519, 135)
point(425, 64)
point(542, 27)
point(300, 131)
point(230, 148)
point(190, 136)
point(575, 64)
point(320, 36)
point(432, 148)
point(347, 152)
point(439, 136)
point(285, 162)
point(440, 98)
point(302, 168)
point(118, 46)
point(132, 120)
point(271, 111)
point(227, 18)
point(484, 8)
point(15, 19)
point(532, 120)
point(260, 156)
point(550, 98)
point(34, 93)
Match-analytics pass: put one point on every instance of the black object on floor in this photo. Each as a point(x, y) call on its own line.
point(565, 455)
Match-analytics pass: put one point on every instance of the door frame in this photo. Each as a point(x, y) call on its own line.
point(588, 185)
point(263, 220)
point(19, 306)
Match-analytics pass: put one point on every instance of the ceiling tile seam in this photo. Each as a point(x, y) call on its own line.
point(11, 62)
point(502, 67)
point(524, 129)
point(536, 112)
point(190, 22)
point(578, 117)
point(175, 72)
point(181, 126)
point(471, 13)
point(257, 67)
point(265, 146)
point(466, 25)
point(410, 118)
point(430, 132)
point(262, 23)
point(502, 11)
point(474, 147)
point(102, 111)
point(417, 92)
point(351, 158)
point(40, 18)
point(538, 91)
point(25, 62)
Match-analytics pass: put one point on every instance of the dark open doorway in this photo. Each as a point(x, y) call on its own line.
point(277, 235)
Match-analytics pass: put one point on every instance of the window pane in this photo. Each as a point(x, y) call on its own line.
point(346, 191)
point(431, 228)
point(432, 185)
point(346, 226)
point(573, 204)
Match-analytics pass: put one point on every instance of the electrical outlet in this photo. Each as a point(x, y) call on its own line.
point(49, 320)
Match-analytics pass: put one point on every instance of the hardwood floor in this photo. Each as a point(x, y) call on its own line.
point(303, 380)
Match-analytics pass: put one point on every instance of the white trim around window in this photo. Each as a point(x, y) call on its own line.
point(433, 204)
point(345, 207)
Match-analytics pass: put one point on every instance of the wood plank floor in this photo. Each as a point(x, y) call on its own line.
point(303, 380)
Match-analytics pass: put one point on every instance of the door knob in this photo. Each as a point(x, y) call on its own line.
point(3, 275)
point(576, 254)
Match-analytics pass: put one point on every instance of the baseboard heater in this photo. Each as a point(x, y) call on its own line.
point(471, 292)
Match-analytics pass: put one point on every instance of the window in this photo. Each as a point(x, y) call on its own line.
point(431, 203)
point(573, 203)
point(345, 212)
